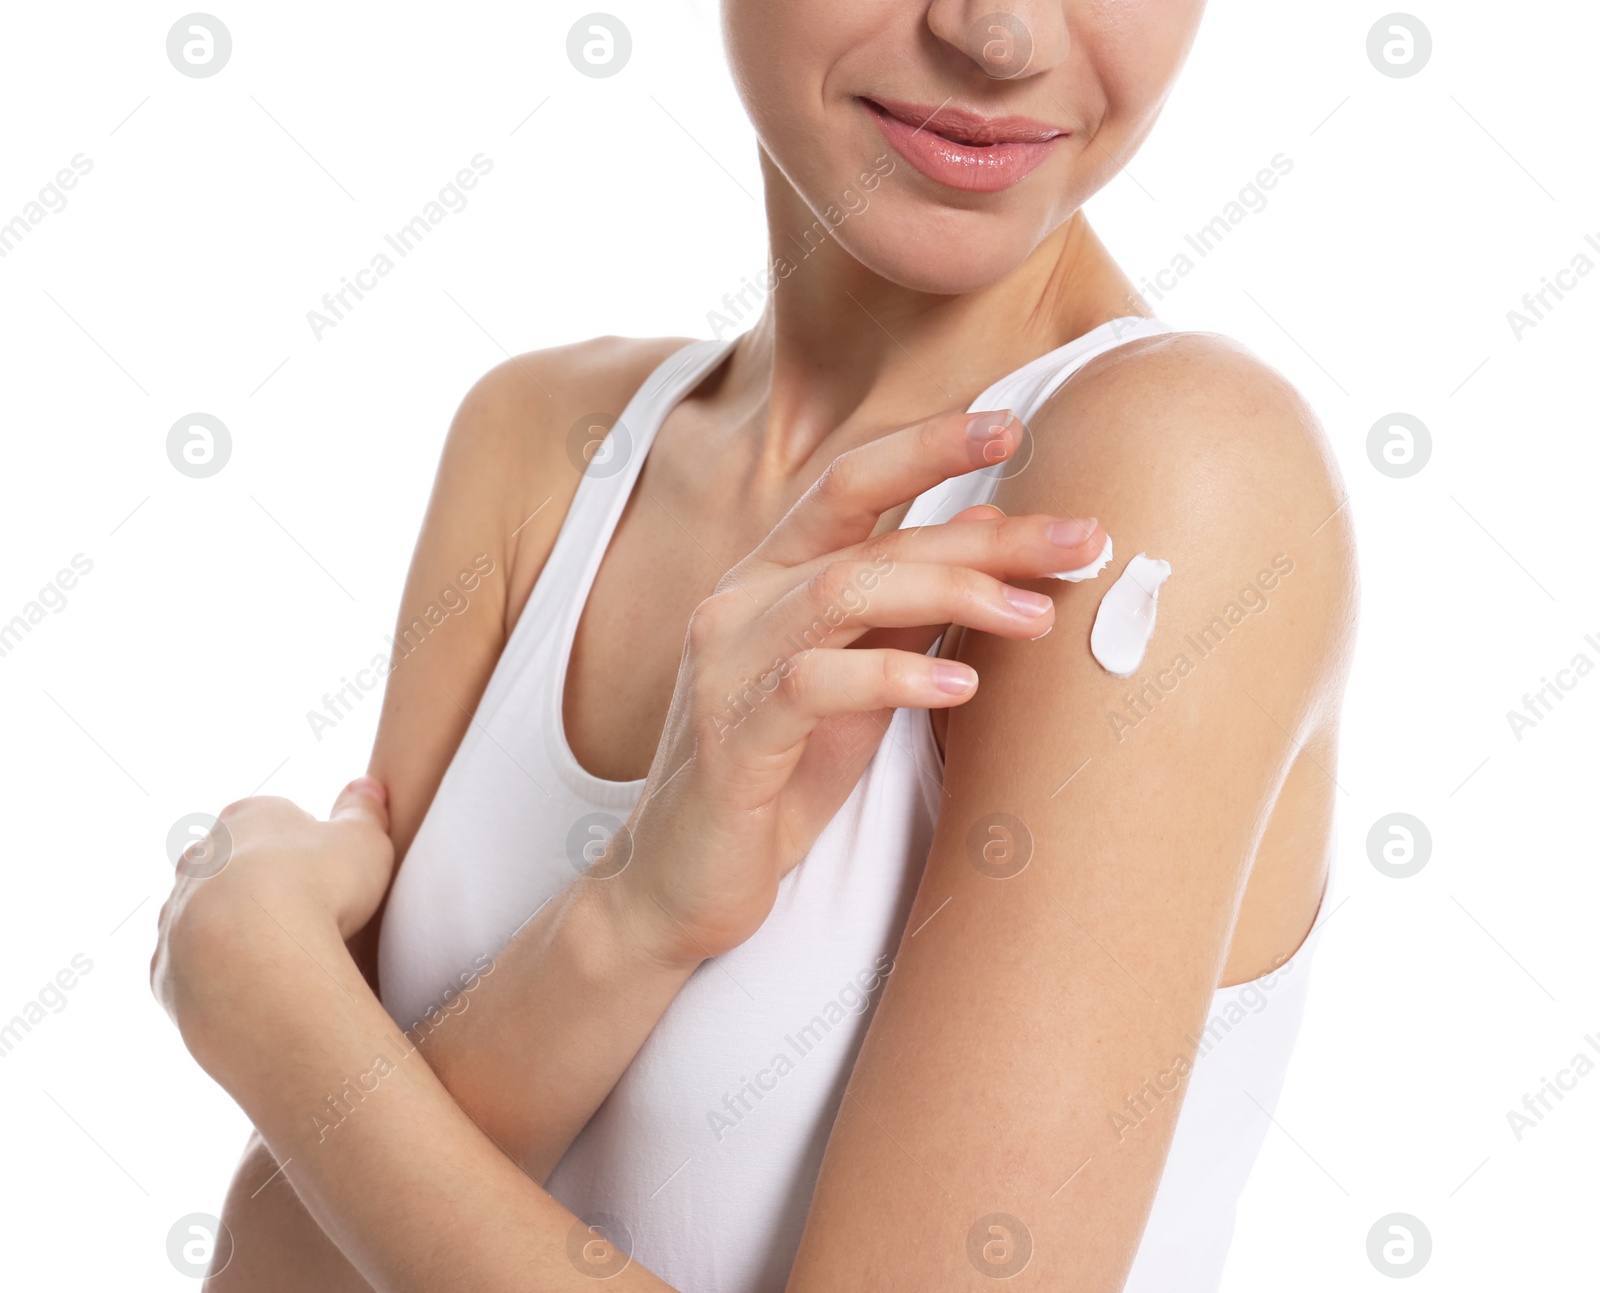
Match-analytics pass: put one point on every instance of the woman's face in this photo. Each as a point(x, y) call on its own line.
point(940, 141)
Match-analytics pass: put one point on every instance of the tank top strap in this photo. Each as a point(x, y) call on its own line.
point(540, 641)
point(608, 479)
point(1025, 392)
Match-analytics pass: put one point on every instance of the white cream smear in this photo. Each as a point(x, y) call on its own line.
point(1091, 570)
point(1127, 616)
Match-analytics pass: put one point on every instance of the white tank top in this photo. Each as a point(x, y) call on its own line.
point(707, 1149)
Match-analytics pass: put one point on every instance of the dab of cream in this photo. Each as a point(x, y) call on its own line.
point(1091, 570)
point(1127, 616)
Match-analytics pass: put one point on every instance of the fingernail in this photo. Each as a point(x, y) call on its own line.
point(1069, 534)
point(1092, 569)
point(1028, 603)
point(987, 438)
point(953, 679)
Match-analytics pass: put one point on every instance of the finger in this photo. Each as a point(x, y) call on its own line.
point(846, 598)
point(364, 800)
point(858, 487)
point(825, 683)
point(981, 536)
point(1021, 547)
point(921, 638)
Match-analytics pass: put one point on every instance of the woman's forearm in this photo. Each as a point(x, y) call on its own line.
point(553, 1022)
point(388, 1164)
point(276, 1245)
point(529, 1052)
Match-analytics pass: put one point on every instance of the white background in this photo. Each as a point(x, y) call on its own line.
point(218, 612)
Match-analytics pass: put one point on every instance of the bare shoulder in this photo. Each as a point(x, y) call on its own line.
point(521, 411)
point(1190, 448)
point(538, 390)
point(1200, 414)
point(510, 459)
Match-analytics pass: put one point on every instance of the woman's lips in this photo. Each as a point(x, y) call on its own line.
point(962, 150)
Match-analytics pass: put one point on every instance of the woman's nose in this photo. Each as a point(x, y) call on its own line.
point(1023, 39)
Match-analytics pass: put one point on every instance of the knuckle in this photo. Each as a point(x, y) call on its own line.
point(232, 812)
point(1014, 536)
point(256, 807)
point(798, 684)
point(897, 674)
point(709, 621)
point(244, 812)
point(735, 577)
point(891, 671)
point(936, 433)
point(839, 478)
point(958, 586)
point(830, 582)
point(836, 593)
point(883, 547)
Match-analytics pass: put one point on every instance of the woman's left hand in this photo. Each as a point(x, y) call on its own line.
point(265, 855)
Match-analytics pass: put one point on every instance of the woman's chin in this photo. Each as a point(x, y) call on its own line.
point(942, 266)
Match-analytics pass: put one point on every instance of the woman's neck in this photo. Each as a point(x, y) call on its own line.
point(840, 353)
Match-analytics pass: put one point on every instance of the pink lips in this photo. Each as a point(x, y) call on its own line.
point(961, 149)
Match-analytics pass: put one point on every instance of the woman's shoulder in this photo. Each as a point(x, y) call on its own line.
point(531, 400)
point(1188, 447)
point(1194, 420)
point(1195, 404)
point(511, 457)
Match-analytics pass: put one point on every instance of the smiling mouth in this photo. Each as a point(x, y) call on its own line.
point(964, 150)
point(968, 129)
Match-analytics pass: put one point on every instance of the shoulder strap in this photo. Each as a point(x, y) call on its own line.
point(1025, 392)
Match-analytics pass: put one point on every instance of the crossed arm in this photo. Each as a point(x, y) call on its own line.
point(1020, 1011)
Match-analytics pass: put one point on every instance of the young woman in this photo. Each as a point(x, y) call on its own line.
point(791, 899)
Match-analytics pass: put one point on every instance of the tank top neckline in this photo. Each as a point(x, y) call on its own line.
point(661, 392)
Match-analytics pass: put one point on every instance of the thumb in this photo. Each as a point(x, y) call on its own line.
point(364, 800)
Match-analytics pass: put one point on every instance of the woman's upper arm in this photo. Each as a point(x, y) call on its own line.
point(452, 619)
point(1026, 1006)
point(502, 490)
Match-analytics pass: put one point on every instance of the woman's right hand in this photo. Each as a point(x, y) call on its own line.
point(792, 669)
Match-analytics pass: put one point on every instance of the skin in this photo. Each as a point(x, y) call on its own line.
point(1094, 963)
